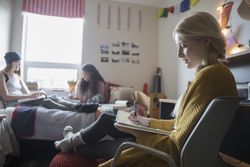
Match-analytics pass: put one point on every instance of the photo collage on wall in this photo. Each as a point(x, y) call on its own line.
point(120, 52)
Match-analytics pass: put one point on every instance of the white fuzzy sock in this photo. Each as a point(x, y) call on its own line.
point(71, 141)
point(68, 131)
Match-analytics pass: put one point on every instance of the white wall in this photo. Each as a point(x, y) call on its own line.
point(17, 27)
point(122, 73)
point(175, 74)
point(5, 28)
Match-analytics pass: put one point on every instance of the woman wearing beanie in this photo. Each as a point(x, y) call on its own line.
point(12, 87)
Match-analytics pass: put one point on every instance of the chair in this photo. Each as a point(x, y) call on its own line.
point(202, 146)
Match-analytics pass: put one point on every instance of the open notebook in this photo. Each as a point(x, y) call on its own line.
point(123, 121)
point(31, 99)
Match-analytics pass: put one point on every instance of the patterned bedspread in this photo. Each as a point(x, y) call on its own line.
point(49, 123)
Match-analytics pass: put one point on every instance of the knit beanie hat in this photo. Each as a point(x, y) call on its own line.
point(11, 57)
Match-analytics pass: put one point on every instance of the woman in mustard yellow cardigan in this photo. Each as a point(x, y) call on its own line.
point(201, 46)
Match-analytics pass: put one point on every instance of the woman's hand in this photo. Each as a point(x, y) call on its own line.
point(37, 94)
point(34, 95)
point(42, 93)
point(139, 120)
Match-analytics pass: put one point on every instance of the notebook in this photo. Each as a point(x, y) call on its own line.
point(31, 99)
point(123, 121)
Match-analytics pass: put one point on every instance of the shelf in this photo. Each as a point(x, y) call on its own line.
point(239, 58)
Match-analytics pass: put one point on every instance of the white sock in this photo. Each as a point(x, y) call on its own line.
point(68, 143)
point(67, 132)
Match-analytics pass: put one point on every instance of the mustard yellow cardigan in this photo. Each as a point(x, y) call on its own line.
point(209, 82)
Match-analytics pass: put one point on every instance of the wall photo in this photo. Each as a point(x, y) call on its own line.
point(120, 52)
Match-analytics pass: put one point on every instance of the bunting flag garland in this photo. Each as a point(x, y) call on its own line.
point(184, 5)
point(171, 9)
point(160, 12)
point(163, 12)
point(179, 8)
point(193, 2)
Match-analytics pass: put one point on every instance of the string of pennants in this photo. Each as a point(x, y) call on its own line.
point(183, 6)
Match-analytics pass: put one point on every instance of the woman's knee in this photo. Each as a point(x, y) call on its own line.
point(106, 117)
point(47, 101)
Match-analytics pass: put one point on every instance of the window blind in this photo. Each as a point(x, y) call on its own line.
point(60, 8)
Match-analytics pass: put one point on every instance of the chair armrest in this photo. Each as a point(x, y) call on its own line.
point(154, 152)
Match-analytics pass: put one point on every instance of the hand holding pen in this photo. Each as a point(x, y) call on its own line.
point(138, 119)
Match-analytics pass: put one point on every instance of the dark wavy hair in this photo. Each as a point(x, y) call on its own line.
point(92, 83)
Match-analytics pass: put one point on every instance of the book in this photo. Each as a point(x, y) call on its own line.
point(113, 106)
point(124, 103)
point(123, 121)
point(118, 105)
point(21, 101)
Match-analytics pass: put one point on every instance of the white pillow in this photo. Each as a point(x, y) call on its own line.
point(1, 104)
point(121, 93)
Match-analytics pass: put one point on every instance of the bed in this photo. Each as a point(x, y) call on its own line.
point(48, 127)
point(49, 123)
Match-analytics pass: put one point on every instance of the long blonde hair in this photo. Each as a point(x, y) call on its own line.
point(204, 25)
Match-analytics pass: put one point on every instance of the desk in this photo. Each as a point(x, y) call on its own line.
point(236, 143)
point(166, 108)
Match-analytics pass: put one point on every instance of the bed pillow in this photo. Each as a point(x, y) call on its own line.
point(1, 105)
point(108, 86)
point(121, 93)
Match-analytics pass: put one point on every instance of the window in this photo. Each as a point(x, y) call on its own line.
point(52, 49)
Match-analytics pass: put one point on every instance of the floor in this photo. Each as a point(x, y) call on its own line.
point(13, 161)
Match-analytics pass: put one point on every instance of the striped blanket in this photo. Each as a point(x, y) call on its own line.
point(49, 123)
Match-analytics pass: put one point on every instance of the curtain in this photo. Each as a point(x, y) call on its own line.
point(60, 8)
